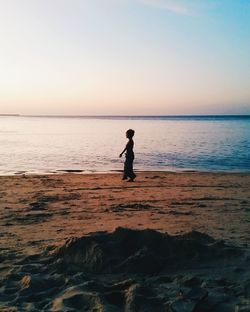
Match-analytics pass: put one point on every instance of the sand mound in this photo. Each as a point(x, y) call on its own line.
point(139, 251)
point(126, 270)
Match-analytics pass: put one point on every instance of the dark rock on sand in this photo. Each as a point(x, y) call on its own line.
point(131, 207)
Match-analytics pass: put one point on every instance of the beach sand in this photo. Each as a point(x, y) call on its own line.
point(91, 242)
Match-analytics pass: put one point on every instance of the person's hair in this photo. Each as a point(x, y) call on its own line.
point(130, 133)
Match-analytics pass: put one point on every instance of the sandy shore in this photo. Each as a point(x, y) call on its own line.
point(43, 269)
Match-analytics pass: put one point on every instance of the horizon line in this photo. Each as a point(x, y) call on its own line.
point(125, 115)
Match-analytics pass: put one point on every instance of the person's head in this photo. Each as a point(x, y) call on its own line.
point(130, 133)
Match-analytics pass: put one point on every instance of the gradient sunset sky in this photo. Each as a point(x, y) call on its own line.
point(143, 57)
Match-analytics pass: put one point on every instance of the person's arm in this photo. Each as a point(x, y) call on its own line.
point(123, 151)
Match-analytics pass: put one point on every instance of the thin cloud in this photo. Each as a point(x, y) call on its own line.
point(169, 5)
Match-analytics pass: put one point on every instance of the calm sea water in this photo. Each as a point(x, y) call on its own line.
point(51, 144)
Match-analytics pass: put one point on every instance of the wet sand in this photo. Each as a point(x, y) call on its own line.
point(44, 269)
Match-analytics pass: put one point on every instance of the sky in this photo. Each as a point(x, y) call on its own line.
point(124, 57)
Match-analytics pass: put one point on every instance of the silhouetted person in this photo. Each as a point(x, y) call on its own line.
point(128, 164)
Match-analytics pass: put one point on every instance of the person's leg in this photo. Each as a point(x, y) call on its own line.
point(131, 173)
point(126, 170)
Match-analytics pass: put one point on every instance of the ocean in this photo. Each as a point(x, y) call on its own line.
point(50, 144)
